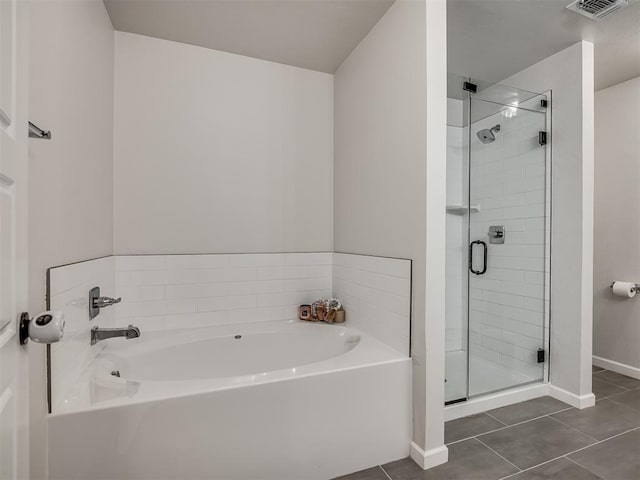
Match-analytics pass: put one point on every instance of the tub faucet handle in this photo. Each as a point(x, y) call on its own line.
point(102, 302)
point(97, 301)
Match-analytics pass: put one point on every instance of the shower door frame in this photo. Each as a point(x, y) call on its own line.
point(548, 212)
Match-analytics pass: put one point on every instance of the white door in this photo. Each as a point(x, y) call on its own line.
point(13, 241)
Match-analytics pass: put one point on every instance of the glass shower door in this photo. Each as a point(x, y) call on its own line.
point(507, 234)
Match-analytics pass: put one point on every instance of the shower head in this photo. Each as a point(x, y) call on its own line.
point(487, 135)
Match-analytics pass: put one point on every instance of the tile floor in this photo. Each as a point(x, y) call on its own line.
point(540, 439)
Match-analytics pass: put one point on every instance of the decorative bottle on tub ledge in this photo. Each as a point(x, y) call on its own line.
point(329, 311)
point(304, 312)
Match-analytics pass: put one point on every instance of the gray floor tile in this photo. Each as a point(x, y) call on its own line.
point(604, 389)
point(374, 473)
point(467, 460)
point(614, 459)
point(617, 379)
point(535, 442)
point(528, 410)
point(595, 369)
point(604, 420)
point(560, 469)
point(630, 399)
point(470, 426)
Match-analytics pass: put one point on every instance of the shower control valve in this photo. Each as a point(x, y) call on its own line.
point(496, 234)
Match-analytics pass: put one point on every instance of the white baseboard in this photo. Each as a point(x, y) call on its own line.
point(495, 400)
point(430, 458)
point(617, 367)
point(577, 401)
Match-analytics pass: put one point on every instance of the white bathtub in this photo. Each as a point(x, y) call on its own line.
point(274, 400)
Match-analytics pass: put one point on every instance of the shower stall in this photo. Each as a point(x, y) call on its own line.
point(498, 237)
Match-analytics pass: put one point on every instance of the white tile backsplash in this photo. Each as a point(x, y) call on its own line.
point(70, 276)
point(140, 262)
point(167, 292)
point(376, 293)
point(245, 287)
point(69, 292)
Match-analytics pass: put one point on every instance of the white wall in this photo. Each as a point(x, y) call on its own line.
point(217, 152)
point(70, 177)
point(569, 76)
point(380, 168)
point(616, 335)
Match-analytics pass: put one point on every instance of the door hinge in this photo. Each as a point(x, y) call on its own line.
point(470, 87)
point(542, 137)
point(540, 355)
point(544, 103)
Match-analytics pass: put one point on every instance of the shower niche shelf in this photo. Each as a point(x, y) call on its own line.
point(462, 209)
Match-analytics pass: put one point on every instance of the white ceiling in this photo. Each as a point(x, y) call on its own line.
point(488, 40)
point(314, 34)
point(493, 39)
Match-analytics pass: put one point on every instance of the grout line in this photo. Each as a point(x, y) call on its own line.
point(385, 472)
point(566, 455)
point(602, 441)
point(614, 385)
point(581, 466)
point(507, 426)
point(506, 460)
point(574, 429)
point(613, 396)
point(530, 468)
point(595, 374)
point(496, 419)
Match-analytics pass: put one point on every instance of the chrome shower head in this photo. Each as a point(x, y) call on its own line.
point(487, 135)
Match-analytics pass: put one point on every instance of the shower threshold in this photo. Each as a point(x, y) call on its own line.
point(486, 379)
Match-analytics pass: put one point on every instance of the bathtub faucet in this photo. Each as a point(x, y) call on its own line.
point(98, 333)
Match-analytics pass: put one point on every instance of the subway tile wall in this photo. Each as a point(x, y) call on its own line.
point(376, 293)
point(165, 292)
point(69, 292)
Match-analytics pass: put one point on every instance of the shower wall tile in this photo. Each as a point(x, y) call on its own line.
point(456, 232)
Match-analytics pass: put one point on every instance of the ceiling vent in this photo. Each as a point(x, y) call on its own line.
point(597, 9)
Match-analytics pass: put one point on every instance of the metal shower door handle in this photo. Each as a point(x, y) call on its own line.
point(484, 257)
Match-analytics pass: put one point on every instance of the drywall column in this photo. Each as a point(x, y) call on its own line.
point(432, 450)
point(569, 76)
point(616, 332)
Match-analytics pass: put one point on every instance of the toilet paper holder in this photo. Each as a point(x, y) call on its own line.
point(635, 289)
